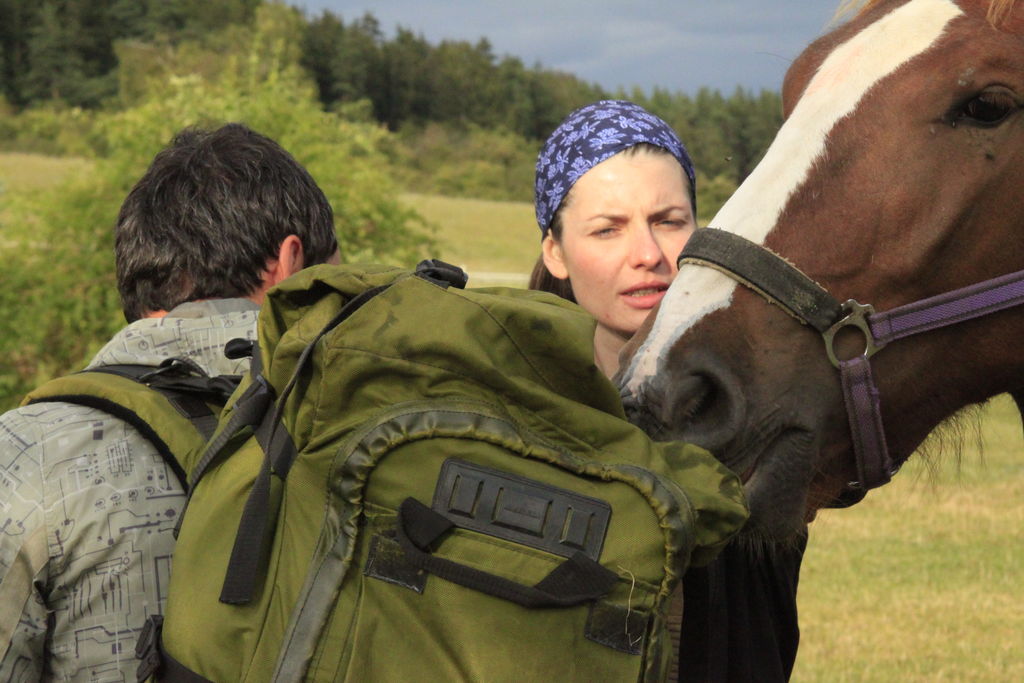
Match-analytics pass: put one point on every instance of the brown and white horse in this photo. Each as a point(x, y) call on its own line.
point(898, 175)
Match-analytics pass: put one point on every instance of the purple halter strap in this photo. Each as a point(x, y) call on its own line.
point(875, 466)
point(776, 280)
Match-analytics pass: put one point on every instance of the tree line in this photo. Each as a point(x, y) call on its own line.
point(73, 52)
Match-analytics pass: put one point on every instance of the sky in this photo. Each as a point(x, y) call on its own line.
point(674, 44)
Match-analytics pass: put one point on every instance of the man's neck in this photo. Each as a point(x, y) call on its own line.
point(204, 307)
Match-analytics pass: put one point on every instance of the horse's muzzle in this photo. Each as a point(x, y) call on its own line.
point(700, 401)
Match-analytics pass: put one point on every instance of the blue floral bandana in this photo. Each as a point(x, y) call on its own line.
point(590, 135)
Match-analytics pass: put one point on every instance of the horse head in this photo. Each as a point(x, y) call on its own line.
point(895, 177)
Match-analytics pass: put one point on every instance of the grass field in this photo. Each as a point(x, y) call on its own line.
point(923, 581)
point(497, 243)
point(32, 171)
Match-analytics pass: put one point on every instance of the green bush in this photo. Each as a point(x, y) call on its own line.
point(470, 161)
point(51, 129)
point(712, 193)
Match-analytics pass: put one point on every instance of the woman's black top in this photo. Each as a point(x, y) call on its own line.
point(739, 616)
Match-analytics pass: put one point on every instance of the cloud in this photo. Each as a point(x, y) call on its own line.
point(675, 44)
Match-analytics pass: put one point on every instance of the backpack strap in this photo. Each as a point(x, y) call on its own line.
point(154, 659)
point(576, 580)
point(168, 405)
point(185, 385)
point(254, 410)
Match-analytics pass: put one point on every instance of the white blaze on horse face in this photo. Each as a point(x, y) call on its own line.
point(833, 93)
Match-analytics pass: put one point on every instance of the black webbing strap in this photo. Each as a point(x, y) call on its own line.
point(155, 660)
point(260, 511)
point(184, 385)
point(249, 410)
point(190, 395)
point(577, 580)
point(133, 372)
point(251, 542)
point(765, 272)
point(173, 671)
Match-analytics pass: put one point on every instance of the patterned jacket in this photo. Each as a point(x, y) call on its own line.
point(87, 509)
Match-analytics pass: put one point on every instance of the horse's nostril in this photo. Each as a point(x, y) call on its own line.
point(706, 407)
point(695, 394)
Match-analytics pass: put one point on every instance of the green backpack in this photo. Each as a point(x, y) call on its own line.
point(420, 482)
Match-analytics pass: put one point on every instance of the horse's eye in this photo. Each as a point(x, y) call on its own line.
point(987, 109)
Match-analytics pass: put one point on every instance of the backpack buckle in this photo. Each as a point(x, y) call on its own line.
point(147, 649)
point(441, 273)
point(182, 366)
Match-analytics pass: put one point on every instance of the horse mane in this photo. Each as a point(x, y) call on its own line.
point(998, 10)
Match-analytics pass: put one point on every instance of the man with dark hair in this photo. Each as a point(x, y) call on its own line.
point(87, 504)
point(212, 210)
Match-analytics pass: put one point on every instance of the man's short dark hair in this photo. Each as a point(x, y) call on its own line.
point(209, 212)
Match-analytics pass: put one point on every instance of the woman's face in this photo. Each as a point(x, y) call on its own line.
point(623, 225)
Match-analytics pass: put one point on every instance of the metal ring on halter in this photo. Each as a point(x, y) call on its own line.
point(856, 316)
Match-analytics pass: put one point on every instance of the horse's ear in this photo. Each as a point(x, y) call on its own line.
point(1018, 397)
